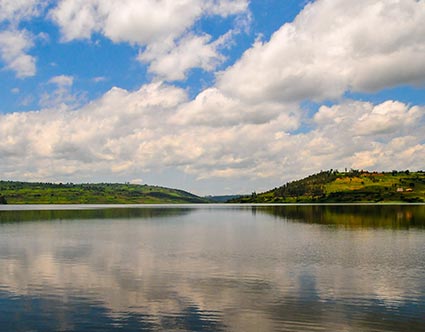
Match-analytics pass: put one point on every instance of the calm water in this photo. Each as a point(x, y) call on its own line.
point(213, 268)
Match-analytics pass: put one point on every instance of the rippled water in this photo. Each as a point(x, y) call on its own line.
point(213, 268)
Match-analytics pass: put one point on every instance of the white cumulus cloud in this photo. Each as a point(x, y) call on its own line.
point(15, 42)
point(18, 10)
point(334, 46)
point(61, 96)
point(161, 28)
point(192, 51)
point(214, 109)
point(137, 21)
point(14, 45)
point(62, 80)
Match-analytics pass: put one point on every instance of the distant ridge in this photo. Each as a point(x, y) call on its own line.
point(222, 198)
point(345, 187)
point(15, 192)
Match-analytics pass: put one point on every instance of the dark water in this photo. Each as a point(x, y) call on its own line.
point(213, 268)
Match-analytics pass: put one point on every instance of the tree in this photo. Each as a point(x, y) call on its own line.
point(3, 200)
point(317, 191)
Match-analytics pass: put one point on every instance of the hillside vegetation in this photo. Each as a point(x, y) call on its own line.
point(12, 192)
point(345, 187)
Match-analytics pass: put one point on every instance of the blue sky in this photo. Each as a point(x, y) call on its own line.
point(211, 96)
point(98, 57)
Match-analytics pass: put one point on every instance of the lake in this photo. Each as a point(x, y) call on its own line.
point(212, 268)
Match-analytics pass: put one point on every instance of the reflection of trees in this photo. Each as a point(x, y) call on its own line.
point(103, 213)
point(382, 216)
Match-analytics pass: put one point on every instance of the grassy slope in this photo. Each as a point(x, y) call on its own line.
point(353, 186)
point(102, 193)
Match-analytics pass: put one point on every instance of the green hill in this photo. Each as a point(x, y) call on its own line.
point(13, 192)
point(346, 187)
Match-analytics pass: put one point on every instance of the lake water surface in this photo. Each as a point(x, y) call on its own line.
point(212, 268)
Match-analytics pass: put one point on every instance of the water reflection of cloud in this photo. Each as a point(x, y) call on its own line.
point(274, 276)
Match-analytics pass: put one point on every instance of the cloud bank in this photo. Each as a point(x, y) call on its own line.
point(132, 133)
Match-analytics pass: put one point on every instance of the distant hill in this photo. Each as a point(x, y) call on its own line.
point(346, 187)
point(222, 199)
point(13, 192)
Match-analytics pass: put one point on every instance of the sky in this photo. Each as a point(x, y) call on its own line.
point(210, 96)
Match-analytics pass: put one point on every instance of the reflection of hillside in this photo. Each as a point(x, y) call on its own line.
point(362, 216)
point(103, 213)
